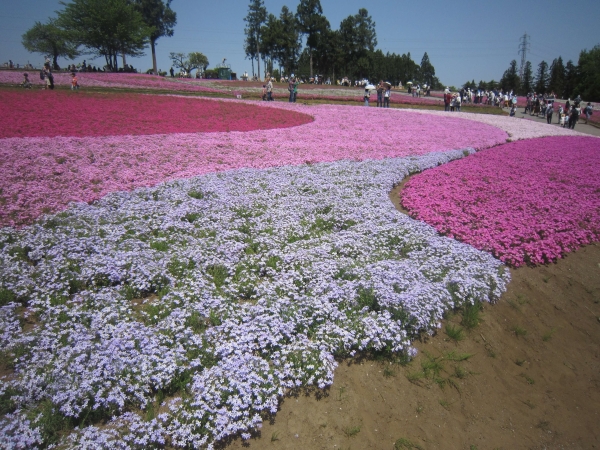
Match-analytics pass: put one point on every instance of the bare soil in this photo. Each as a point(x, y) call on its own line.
point(526, 377)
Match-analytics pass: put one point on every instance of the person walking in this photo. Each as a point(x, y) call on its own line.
point(574, 117)
point(367, 96)
point(269, 90)
point(386, 95)
point(549, 112)
point(296, 83)
point(589, 110)
point(380, 94)
point(291, 88)
point(447, 99)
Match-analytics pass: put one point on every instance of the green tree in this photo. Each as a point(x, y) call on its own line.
point(105, 28)
point(527, 80)
point(570, 79)
point(159, 16)
point(541, 78)
point(256, 17)
point(556, 83)
point(588, 83)
point(49, 39)
point(189, 62)
point(312, 24)
point(290, 43)
point(427, 70)
point(510, 80)
point(358, 38)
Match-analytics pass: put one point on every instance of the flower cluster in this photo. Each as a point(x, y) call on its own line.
point(44, 174)
point(131, 114)
point(526, 202)
point(200, 302)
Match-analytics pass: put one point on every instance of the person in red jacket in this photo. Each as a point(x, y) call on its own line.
point(447, 99)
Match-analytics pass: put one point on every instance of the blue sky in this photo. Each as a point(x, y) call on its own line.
point(465, 39)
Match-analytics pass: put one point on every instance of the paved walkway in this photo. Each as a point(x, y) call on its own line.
point(580, 126)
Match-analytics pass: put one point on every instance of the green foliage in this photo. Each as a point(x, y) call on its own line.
point(49, 39)
point(160, 18)
point(219, 274)
point(7, 296)
point(105, 28)
point(189, 62)
point(367, 298)
point(351, 431)
point(404, 443)
point(470, 315)
point(588, 85)
point(160, 246)
point(455, 333)
point(199, 195)
point(50, 422)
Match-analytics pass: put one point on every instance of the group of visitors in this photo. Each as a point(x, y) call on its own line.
point(567, 115)
point(452, 101)
point(384, 92)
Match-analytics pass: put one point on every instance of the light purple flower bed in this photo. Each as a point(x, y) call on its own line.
point(198, 303)
point(527, 202)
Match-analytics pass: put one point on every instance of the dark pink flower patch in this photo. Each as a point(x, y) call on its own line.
point(526, 202)
point(63, 113)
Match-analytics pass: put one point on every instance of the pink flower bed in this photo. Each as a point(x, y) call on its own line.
point(525, 202)
point(114, 80)
point(65, 113)
point(42, 174)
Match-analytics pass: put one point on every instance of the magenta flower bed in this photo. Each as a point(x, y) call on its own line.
point(44, 174)
point(526, 202)
point(65, 113)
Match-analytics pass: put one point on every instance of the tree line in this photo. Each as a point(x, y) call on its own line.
point(350, 51)
point(564, 80)
point(103, 28)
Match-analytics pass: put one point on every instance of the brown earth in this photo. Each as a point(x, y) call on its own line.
point(526, 377)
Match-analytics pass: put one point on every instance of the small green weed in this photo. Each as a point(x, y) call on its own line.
point(160, 246)
point(459, 372)
point(389, 372)
point(455, 333)
point(197, 194)
point(548, 335)
point(519, 331)
point(453, 356)
point(404, 443)
point(342, 393)
point(471, 315)
point(219, 274)
point(444, 404)
point(351, 431)
point(528, 379)
point(519, 362)
point(275, 436)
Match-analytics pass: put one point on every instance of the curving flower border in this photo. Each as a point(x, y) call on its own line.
point(527, 202)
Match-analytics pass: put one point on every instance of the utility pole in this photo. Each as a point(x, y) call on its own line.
point(523, 47)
